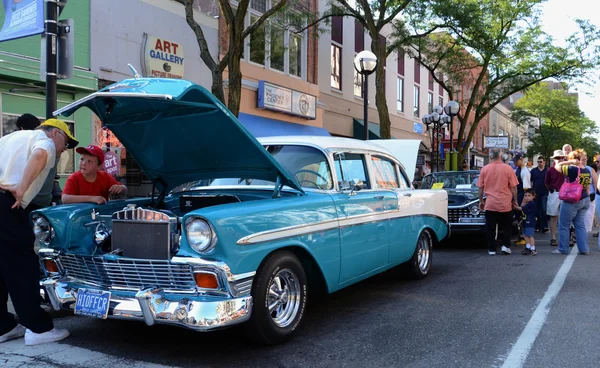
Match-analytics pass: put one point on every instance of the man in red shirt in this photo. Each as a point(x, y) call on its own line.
point(499, 183)
point(90, 184)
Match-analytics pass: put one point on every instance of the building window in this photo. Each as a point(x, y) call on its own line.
point(417, 72)
point(441, 101)
point(430, 102)
point(336, 67)
point(400, 98)
point(416, 102)
point(273, 46)
point(401, 62)
point(359, 37)
point(337, 36)
point(358, 84)
point(430, 82)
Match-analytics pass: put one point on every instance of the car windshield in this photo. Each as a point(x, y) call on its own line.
point(307, 164)
point(451, 180)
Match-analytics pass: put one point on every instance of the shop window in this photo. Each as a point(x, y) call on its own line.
point(257, 43)
point(66, 165)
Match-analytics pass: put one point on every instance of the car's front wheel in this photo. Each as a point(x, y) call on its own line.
point(279, 292)
point(419, 265)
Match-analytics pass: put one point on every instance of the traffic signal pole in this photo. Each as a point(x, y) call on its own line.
point(51, 60)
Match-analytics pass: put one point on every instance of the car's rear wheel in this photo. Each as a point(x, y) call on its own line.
point(419, 265)
point(279, 292)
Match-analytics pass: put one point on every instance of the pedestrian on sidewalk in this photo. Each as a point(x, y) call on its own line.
point(589, 215)
point(44, 198)
point(26, 157)
point(529, 212)
point(538, 179)
point(523, 177)
point(574, 211)
point(554, 181)
point(499, 183)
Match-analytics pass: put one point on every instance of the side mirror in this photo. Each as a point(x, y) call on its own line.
point(356, 185)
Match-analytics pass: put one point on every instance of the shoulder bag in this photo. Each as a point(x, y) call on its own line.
point(570, 192)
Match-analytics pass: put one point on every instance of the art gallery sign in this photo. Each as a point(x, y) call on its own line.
point(289, 101)
point(162, 58)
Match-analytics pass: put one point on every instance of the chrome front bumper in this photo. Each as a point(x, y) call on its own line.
point(153, 305)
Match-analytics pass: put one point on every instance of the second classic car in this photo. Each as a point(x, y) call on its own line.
point(464, 215)
point(238, 230)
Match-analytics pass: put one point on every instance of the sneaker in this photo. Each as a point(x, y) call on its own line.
point(506, 250)
point(520, 242)
point(553, 243)
point(490, 253)
point(55, 334)
point(532, 252)
point(584, 253)
point(526, 251)
point(15, 333)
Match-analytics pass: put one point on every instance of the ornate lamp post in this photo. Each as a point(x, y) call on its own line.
point(435, 124)
point(451, 109)
point(365, 63)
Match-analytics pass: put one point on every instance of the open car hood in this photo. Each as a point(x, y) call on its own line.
point(179, 132)
point(405, 151)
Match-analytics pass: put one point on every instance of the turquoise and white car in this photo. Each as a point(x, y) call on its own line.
point(239, 230)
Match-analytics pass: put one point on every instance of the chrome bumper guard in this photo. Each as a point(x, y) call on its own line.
point(153, 305)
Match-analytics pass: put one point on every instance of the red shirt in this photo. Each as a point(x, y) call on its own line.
point(77, 185)
point(497, 179)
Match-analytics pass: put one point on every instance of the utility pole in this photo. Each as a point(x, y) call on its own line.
point(51, 60)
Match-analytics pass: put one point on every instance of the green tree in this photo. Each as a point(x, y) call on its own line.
point(562, 121)
point(491, 49)
point(234, 17)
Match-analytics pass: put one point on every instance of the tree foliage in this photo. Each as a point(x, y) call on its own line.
point(562, 121)
point(491, 49)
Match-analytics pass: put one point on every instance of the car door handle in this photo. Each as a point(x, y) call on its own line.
point(407, 194)
point(379, 197)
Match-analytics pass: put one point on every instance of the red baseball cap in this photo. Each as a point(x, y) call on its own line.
point(92, 150)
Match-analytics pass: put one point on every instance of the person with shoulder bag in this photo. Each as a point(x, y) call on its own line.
point(575, 196)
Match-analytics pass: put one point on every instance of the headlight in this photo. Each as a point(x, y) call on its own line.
point(199, 235)
point(42, 229)
point(474, 209)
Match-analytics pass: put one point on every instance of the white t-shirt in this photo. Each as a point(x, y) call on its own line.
point(15, 150)
point(526, 177)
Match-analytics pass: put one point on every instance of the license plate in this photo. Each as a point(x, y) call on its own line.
point(92, 303)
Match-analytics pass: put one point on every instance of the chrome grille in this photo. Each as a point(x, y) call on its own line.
point(455, 213)
point(242, 287)
point(131, 274)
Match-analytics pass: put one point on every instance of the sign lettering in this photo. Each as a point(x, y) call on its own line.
point(277, 98)
point(162, 58)
point(22, 18)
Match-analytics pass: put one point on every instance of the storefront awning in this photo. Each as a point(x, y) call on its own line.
point(359, 130)
point(264, 127)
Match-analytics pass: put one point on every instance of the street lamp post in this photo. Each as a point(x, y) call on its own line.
point(435, 122)
point(451, 109)
point(365, 63)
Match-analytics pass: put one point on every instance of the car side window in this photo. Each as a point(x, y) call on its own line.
point(384, 173)
point(351, 166)
point(404, 183)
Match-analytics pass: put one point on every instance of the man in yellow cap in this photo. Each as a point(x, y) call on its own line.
point(26, 158)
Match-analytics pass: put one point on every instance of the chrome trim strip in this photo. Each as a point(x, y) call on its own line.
point(298, 230)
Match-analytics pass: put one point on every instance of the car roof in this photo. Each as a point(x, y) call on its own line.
point(326, 142)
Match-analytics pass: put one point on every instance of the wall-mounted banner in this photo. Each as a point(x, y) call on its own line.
point(277, 98)
point(22, 18)
point(495, 142)
point(162, 58)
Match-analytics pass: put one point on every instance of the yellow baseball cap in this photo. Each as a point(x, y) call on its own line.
point(72, 143)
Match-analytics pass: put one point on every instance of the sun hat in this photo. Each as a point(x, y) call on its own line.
point(558, 153)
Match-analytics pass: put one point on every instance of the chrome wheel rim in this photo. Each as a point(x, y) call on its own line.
point(424, 252)
point(283, 298)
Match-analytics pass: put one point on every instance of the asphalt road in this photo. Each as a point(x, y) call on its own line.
point(469, 312)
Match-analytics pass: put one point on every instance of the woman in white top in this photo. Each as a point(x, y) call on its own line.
point(525, 176)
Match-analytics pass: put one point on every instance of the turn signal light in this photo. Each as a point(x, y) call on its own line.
point(50, 265)
point(206, 280)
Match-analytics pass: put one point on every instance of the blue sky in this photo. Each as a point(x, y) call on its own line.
point(558, 22)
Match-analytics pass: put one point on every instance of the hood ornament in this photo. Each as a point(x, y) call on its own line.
point(136, 75)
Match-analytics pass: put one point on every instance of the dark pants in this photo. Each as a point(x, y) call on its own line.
point(541, 204)
point(19, 271)
point(504, 222)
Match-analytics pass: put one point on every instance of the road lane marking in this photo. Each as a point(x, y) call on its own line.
point(520, 350)
point(15, 354)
